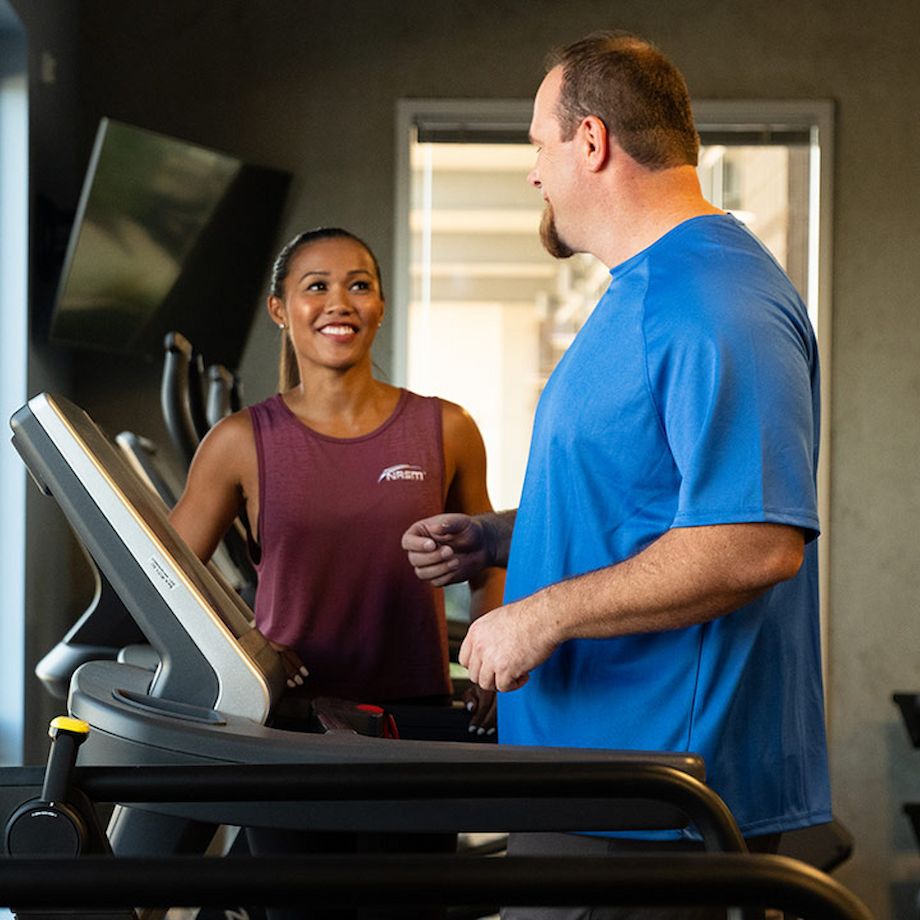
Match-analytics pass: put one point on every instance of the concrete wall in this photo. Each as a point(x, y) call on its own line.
point(312, 86)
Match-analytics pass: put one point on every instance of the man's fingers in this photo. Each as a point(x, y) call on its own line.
point(507, 684)
point(425, 535)
point(473, 663)
point(486, 677)
point(432, 556)
point(418, 543)
point(477, 665)
point(450, 525)
point(439, 575)
point(463, 656)
point(421, 536)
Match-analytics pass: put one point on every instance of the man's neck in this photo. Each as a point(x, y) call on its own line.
point(645, 205)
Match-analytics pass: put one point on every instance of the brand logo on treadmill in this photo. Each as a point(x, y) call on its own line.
point(162, 574)
point(402, 472)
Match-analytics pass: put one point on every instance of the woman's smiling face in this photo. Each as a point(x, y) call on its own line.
point(332, 304)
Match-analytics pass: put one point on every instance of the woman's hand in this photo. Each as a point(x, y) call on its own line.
point(294, 669)
point(483, 710)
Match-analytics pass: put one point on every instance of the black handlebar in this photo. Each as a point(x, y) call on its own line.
point(175, 394)
point(671, 880)
point(356, 782)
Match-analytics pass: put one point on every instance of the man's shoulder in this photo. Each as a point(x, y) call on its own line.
point(716, 270)
point(708, 242)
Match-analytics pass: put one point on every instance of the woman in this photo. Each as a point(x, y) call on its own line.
point(329, 473)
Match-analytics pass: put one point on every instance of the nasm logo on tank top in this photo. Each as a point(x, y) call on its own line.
point(403, 472)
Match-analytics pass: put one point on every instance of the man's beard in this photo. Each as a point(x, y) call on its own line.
point(549, 236)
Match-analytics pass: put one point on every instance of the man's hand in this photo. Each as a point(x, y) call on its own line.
point(447, 548)
point(503, 646)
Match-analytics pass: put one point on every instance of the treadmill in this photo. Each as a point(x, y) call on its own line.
point(217, 682)
point(106, 630)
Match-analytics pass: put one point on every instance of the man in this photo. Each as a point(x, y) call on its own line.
point(662, 576)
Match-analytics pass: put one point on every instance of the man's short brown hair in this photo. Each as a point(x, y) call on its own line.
point(635, 90)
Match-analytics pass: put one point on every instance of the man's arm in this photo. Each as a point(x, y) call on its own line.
point(687, 576)
point(449, 548)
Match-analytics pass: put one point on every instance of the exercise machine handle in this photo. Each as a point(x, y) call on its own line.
point(66, 737)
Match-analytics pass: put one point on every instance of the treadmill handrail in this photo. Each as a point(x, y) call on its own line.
point(356, 782)
point(666, 880)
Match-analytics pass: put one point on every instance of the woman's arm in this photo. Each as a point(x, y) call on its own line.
point(214, 490)
point(222, 480)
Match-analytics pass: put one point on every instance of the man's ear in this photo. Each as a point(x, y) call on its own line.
point(594, 140)
point(275, 307)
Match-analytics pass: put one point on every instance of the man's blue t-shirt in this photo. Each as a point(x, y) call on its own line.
point(690, 397)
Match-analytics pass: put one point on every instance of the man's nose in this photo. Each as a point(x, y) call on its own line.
point(533, 178)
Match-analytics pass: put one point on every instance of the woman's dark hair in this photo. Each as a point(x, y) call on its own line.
point(288, 374)
point(635, 90)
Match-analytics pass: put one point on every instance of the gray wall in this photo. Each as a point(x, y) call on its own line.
point(311, 87)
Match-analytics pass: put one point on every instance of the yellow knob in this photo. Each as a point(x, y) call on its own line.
point(65, 723)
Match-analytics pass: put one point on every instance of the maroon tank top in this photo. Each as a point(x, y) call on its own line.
point(334, 582)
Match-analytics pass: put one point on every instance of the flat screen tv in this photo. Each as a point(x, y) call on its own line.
point(167, 236)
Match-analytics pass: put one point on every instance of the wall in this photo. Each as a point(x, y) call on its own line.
point(311, 86)
point(56, 589)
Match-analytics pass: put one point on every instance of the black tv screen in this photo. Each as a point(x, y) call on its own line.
point(168, 236)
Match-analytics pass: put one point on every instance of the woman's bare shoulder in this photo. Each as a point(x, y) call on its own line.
point(234, 427)
point(464, 450)
point(229, 441)
point(456, 421)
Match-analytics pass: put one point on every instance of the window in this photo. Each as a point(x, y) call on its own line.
point(13, 346)
point(475, 286)
point(484, 313)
